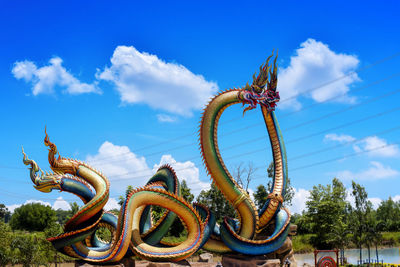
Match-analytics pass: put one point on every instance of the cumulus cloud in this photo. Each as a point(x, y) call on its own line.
point(377, 147)
point(301, 196)
point(185, 171)
point(59, 203)
point(140, 77)
point(120, 165)
point(376, 201)
point(46, 79)
point(112, 204)
point(299, 200)
point(123, 167)
point(341, 138)
point(166, 118)
point(376, 171)
point(313, 65)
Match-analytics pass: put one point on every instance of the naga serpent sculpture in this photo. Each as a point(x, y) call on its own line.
point(133, 231)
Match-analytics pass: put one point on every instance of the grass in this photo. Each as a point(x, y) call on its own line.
point(302, 244)
point(391, 239)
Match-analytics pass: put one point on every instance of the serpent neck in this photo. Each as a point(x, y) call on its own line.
point(216, 167)
point(275, 198)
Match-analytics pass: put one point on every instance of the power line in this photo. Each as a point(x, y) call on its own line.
point(259, 150)
point(334, 159)
point(343, 144)
point(294, 169)
point(344, 157)
point(148, 171)
point(290, 141)
point(118, 157)
point(380, 61)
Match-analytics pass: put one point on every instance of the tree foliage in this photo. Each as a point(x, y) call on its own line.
point(216, 202)
point(289, 192)
point(5, 214)
point(32, 217)
point(28, 249)
point(389, 213)
point(361, 217)
point(260, 196)
point(325, 207)
point(177, 227)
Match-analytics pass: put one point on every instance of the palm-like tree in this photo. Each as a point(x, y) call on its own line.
point(374, 235)
point(339, 237)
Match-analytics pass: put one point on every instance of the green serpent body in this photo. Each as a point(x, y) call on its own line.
point(133, 231)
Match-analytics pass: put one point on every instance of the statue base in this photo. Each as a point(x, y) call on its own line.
point(284, 256)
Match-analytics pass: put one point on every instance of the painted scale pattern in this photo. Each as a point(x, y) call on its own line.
point(133, 231)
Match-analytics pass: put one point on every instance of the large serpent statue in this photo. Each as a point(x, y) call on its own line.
point(134, 232)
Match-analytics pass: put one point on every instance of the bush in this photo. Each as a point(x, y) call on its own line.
point(28, 249)
point(32, 217)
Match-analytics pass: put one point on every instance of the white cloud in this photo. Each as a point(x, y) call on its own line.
point(123, 167)
point(251, 193)
point(112, 204)
point(299, 200)
point(301, 196)
point(60, 203)
point(185, 171)
point(166, 118)
point(376, 171)
point(376, 201)
point(350, 197)
point(341, 138)
point(14, 206)
point(313, 65)
point(120, 165)
point(377, 147)
point(145, 78)
point(45, 79)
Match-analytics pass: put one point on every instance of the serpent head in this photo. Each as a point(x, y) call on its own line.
point(45, 182)
point(263, 89)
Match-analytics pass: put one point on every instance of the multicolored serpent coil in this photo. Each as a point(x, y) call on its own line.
point(134, 232)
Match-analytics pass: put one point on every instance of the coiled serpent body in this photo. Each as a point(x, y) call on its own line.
point(133, 230)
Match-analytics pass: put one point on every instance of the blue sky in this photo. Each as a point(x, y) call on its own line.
point(122, 86)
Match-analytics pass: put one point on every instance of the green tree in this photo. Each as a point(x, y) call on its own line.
point(303, 226)
point(325, 206)
point(5, 238)
point(389, 213)
point(185, 192)
point(177, 227)
point(64, 215)
point(215, 200)
point(339, 237)
point(127, 191)
point(374, 231)
point(28, 249)
point(5, 214)
point(260, 196)
point(32, 217)
point(360, 215)
point(289, 191)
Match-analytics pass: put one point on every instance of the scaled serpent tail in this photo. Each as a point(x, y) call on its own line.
point(134, 232)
